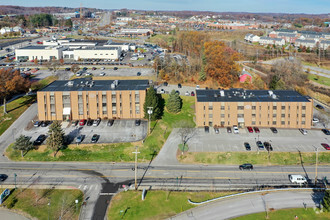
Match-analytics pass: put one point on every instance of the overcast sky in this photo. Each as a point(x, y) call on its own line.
point(284, 6)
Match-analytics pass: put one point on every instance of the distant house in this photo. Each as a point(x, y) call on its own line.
point(251, 38)
point(325, 44)
point(245, 76)
point(6, 30)
point(271, 41)
point(305, 43)
point(288, 37)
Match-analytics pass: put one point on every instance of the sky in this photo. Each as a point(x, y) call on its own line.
point(277, 6)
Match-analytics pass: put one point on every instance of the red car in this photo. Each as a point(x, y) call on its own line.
point(82, 122)
point(250, 129)
point(326, 146)
point(256, 130)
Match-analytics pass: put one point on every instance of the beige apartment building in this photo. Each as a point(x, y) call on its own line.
point(261, 108)
point(85, 98)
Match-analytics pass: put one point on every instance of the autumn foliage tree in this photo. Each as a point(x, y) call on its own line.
point(221, 63)
point(11, 82)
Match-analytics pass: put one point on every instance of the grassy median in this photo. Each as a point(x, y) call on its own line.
point(288, 214)
point(261, 158)
point(157, 204)
point(46, 203)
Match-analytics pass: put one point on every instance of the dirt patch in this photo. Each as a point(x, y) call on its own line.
point(30, 124)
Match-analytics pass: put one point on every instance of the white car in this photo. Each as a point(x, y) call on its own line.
point(303, 131)
point(235, 128)
point(162, 91)
point(316, 120)
point(197, 87)
point(187, 93)
point(102, 74)
point(102, 68)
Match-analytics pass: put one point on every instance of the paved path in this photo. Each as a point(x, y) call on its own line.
point(251, 203)
point(5, 214)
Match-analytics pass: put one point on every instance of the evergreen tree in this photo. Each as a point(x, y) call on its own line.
point(153, 100)
point(174, 102)
point(56, 136)
point(326, 201)
point(23, 143)
point(202, 74)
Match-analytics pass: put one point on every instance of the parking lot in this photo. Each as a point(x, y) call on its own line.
point(286, 140)
point(120, 131)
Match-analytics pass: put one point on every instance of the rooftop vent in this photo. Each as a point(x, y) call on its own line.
point(274, 96)
point(113, 85)
point(70, 83)
point(270, 93)
point(222, 93)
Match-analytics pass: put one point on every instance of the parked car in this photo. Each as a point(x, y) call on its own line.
point(179, 86)
point(319, 106)
point(90, 122)
point(216, 130)
point(326, 131)
point(268, 146)
point(246, 166)
point(67, 69)
point(250, 129)
point(177, 92)
point(94, 68)
point(37, 124)
point(85, 68)
point(260, 145)
point(110, 122)
point(96, 122)
point(137, 122)
point(138, 73)
point(165, 83)
point(206, 129)
point(303, 131)
point(95, 138)
point(228, 129)
point(162, 91)
point(115, 68)
point(197, 87)
point(256, 130)
point(82, 122)
point(102, 74)
point(79, 139)
point(235, 128)
point(187, 93)
point(75, 123)
point(3, 177)
point(102, 68)
point(315, 120)
point(326, 146)
point(44, 123)
point(39, 140)
point(247, 146)
point(192, 93)
point(274, 130)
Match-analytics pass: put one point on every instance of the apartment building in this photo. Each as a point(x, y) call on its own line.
point(85, 98)
point(262, 108)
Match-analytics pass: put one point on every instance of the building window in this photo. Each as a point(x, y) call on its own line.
point(228, 115)
point(210, 115)
point(253, 115)
point(222, 115)
point(303, 122)
point(274, 115)
point(282, 122)
point(222, 123)
point(303, 107)
point(52, 109)
point(288, 115)
point(240, 115)
point(222, 107)
point(282, 115)
point(66, 101)
point(253, 123)
point(283, 107)
point(114, 108)
point(274, 107)
point(254, 107)
point(137, 108)
point(303, 115)
point(274, 122)
point(210, 107)
point(80, 105)
point(240, 107)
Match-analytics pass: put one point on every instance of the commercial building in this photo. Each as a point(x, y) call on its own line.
point(85, 98)
point(39, 52)
point(97, 53)
point(278, 108)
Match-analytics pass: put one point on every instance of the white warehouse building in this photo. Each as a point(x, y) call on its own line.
point(39, 53)
point(112, 53)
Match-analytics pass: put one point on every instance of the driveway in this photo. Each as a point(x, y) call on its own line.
point(5, 214)
point(252, 203)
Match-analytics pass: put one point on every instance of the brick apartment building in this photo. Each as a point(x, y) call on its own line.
point(85, 98)
point(262, 108)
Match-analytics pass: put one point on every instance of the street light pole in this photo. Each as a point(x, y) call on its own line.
point(15, 175)
point(149, 113)
point(317, 158)
point(135, 170)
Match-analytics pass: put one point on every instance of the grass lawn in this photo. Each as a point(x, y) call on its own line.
point(120, 152)
point(14, 110)
point(276, 158)
point(35, 203)
point(157, 204)
point(288, 214)
point(319, 79)
point(43, 83)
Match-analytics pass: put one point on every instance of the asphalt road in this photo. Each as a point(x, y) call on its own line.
point(252, 203)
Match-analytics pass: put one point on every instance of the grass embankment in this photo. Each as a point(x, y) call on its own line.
point(234, 158)
point(157, 204)
point(14, 110)
point(319, 79)
point(288, 214)
point(120, 152)
point(34, 202)
point(43, 83)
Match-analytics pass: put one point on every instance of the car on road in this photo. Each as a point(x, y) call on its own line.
point(216, 130)
point(299, 179)
point(115, 68)
point(303, 131)
point(96, 122)
point(326, 131)
point(37, 124)
point(256, 129)
point(315, 120)
point(82, 122)
point(206, 129)
point(246, 166)
point(39, 140)
point(179, 86)
point(260, 145)
point(250, 129)
point(274, 130)
point(326, 146)
point(268, 146)
point(137, 122)
point(247, 146)
point(102, 74)
point(110, 122)
point(95, 138)
point(235, 128)
point(228, 129)
point(102, 68)
point(90, 122)
point(79, 139)
point(3, 177)
point(319, 107)
point(138, 73)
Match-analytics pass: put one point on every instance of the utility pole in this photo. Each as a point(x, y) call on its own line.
point(150, 113)
point(135, 170)
point(317, 157)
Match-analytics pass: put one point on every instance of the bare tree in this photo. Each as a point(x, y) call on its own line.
point(186, 131)
point(53, 65)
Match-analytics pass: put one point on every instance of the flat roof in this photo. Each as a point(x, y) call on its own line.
point(31, 47)
point(87, 84)
point(98, 48)
point(240, 95)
